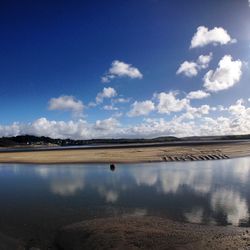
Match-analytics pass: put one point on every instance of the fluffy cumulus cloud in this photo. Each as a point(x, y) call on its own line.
point(188, 69)
point(199, 94)
point(191, 69)
point(107, 124)
point(106, 93)
point(141, 108)
point(66, 103)
point(193, 121)
point(204, 60)
point(121, 69)
point(227, 74)
point(238, 108)
point(181, 118)
point(79, 129)
point(215, 36)
point(167, 103)
point(193, 112)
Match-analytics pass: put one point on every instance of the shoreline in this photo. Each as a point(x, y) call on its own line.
point(140, 153)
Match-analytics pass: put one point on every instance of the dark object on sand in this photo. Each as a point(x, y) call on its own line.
point(112, 167)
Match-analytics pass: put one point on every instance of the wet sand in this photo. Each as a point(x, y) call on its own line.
point(138, 232)
point(131, 154)
point(149, 233)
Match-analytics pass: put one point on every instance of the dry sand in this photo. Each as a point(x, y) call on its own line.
point(130, 154)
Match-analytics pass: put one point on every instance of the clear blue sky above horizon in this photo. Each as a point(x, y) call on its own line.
point(88, 69)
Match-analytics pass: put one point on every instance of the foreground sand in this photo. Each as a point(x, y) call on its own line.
point(149, 233)
point(131, 154)
point(136, 232)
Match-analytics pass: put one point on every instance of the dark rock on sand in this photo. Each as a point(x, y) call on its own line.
point(112, 167)
point(148, 233)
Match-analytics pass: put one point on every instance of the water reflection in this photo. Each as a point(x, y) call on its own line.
point(195, 215)
point(64, 181)
point(231, 204)
point(211, 192)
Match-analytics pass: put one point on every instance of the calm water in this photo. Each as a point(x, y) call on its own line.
point(36, 200)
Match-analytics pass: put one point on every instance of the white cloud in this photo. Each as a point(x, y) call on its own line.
point(198, 112)
point(66, 103)
point(204, 60)
point(188, 69)
point(169, 103)
point(110, 107)
point(79, 129)
point(194, 112)
point(191, 69)
point(199, 94)
point(117, 115)
point(238, 108)
point(227, 74)
point(141, 108)
point(121, 100)
point(107, 124)
point(221, 108)
point(121, 69)
point(106, 93)
point(193, 121)
point(217, 35)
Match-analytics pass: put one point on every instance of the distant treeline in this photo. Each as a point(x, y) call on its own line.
point(30, 140)
point(36, 140)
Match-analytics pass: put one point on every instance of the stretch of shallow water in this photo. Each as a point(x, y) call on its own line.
point(36, 200)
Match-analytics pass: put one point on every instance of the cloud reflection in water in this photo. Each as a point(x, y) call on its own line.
point(198, 192)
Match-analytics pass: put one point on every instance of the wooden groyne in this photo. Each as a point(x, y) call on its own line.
point(195, 157)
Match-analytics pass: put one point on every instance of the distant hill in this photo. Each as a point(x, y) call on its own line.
point(30, 140)
point(222, 137)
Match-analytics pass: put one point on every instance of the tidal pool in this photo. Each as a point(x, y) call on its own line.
point(36, 200)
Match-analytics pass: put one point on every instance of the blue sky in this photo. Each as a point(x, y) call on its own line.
point(91, 69)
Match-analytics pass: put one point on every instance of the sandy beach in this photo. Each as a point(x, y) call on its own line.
point(130, 154)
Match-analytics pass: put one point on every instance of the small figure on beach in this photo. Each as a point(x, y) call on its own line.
point(112, 167)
